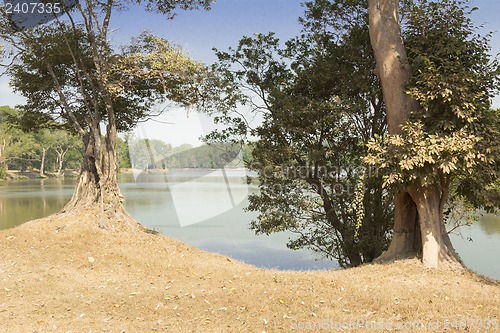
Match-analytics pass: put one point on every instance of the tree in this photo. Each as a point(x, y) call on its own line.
point(65, 144)
point(148, 153)
point(44, 140)
point(68, 72)
point(16, 147)
point(437, 90)
point(6, 139)
point(313, 133)
point(123, 153)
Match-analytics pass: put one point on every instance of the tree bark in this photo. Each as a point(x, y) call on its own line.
point(393, 72)
point(42, 162)
point(406, 241)
point(436, 244)
point(97, 182)
point(392, 65)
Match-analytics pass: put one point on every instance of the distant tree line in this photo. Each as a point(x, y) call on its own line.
point(155, 154)
point(51, 151)
point(47, 150)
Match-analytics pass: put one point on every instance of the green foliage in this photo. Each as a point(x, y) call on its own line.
point(452, 142)
point(21, 150)
point(213, 156)
point(320, 103)
point(123, 153)
point(147, 72)
point(16, 147)
point(482, 188)
point(156, 154)
point(168, 7)
point(148, 154)
point(157, 70)
point(30, 75)
point(454, 78)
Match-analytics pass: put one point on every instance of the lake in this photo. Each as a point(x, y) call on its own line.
point(204, 208)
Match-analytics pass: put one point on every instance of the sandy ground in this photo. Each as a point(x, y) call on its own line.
point(65, 274)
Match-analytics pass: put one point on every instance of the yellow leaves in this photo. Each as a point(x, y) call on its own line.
point(416, 156)
point(396, 140)
point(153, 64)
point(446, 94)
point(389, 180)
point(406, 164)
point(447, 167)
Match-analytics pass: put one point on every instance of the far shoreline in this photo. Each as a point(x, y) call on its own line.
point(16, 175)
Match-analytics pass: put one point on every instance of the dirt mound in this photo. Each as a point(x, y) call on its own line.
point(65, 274)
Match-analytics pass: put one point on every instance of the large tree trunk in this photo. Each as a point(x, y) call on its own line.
point(436, 244)
point(393, 72)
point(392, 65)
point(97, 185)
point(418, 219)
point(406, 240)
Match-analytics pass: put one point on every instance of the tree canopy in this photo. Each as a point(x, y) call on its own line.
point(72, 77)
point(451, 142)
point(320, 104)
point(438, 87)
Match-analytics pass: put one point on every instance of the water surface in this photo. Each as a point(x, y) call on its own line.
point(205, 209)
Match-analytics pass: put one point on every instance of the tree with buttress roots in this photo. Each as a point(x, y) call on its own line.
point(73, 78)
point(437, 80)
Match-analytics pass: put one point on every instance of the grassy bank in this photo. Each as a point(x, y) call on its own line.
point(64, 273)
point(34, 174)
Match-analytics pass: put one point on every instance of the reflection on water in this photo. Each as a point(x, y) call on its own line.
point(202, 208)
point(22, 201)
point(192, 198)
point(479, 246)
point(205, 209)
point(490, 225)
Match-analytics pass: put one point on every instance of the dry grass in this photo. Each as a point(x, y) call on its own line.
point(64, 274)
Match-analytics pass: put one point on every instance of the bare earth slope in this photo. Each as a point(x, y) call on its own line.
point(65, 274)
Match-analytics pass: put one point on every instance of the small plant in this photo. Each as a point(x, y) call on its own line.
point(3, 173)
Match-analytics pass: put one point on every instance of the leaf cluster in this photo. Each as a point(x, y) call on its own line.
point(451, 141)
point(453, 75)
point(417, 158)
point(56, 72)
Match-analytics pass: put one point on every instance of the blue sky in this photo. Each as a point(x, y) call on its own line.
point(224, 25)
point(228, 20)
